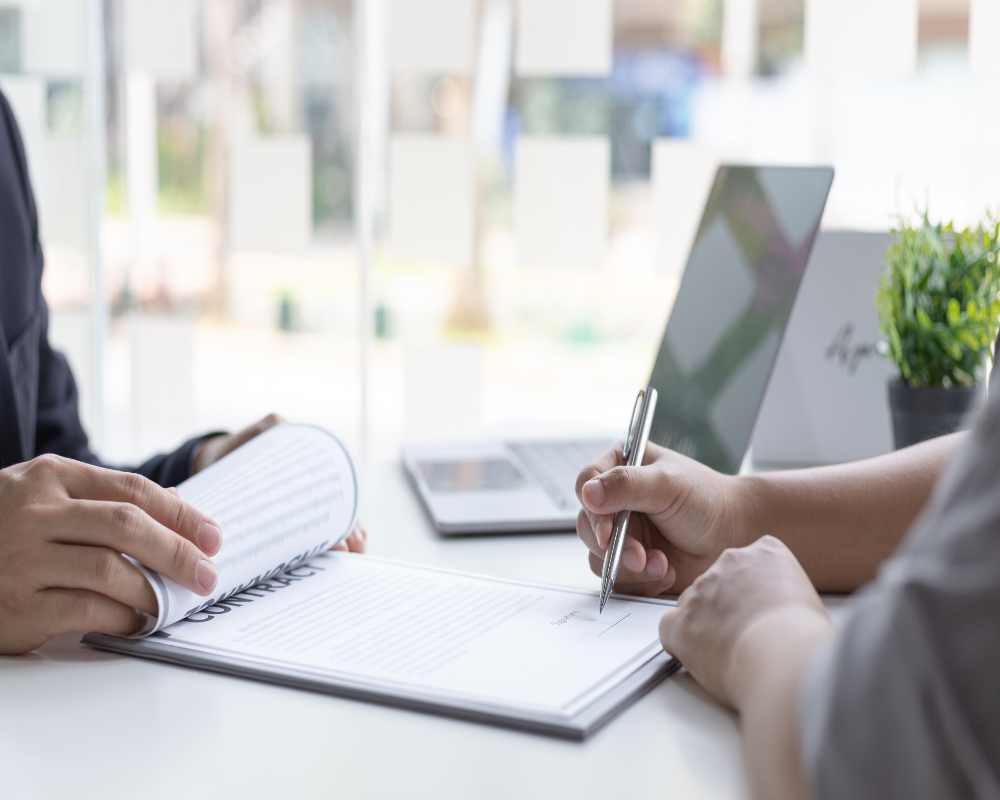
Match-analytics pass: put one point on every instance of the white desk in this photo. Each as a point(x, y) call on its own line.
point(78, 723)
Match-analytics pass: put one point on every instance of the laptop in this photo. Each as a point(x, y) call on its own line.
point(722, 338)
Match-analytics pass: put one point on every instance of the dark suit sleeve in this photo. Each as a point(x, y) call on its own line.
point(57, 425)
point(58, 429)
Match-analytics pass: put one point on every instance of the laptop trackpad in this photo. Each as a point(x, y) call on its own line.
point(467, 475)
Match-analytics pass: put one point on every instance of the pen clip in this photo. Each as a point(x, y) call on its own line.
point(632, 437)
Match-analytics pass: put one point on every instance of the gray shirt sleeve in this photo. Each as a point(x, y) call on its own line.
point(905, 702)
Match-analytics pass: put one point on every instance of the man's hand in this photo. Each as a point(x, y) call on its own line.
point(215, 448)
point(747, 631)
point(755, 603)
point(686, 518)
point(63, 528)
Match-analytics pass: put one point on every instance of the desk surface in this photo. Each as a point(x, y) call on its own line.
point(79, 723)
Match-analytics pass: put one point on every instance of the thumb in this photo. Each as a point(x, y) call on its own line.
point(642, 489)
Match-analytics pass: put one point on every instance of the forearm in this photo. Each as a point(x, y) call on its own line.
point(842, 521)
point(768, 665)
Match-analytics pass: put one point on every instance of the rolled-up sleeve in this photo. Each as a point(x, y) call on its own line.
point(905, 702)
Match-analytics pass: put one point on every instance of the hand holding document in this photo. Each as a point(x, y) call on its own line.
point(493, 650)
point(279, 499)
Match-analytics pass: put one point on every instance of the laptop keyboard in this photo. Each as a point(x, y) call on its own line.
point(556, 465)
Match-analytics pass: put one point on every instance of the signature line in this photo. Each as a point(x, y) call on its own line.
point(629, 614)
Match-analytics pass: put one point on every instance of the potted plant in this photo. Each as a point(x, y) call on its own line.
point(938, 307)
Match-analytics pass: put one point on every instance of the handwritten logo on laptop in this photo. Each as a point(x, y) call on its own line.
point(844, 352)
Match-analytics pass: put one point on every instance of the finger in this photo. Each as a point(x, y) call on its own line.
point(640, 489)
point(600, 465)
point(245, 435)
point(641, 583)
point(594, 530)
point(66, 610)
point(101, 570)
point(604, 527)
point(585, 531)
point(633, 556)
point(94, 483)
point(637, 561)
point(357, 540)
point(127, 529)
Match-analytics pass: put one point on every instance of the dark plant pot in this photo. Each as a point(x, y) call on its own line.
point(928, 411)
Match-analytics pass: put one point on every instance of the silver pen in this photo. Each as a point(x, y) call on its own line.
point(635, 449)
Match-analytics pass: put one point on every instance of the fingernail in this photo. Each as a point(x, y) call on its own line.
point(207, 575)
point(209, 538)
point(653, 569)
point(593, 492)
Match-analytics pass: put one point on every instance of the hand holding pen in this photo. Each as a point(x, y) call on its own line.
point(635, 449)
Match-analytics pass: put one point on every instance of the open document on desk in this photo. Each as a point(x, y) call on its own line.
point(521, 655)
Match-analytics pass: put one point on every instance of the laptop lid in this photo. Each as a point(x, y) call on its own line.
point(732, 307)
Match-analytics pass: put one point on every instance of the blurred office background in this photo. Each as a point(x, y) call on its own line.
point(405, 219)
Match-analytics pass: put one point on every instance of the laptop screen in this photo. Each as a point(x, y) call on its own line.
point(732, 307)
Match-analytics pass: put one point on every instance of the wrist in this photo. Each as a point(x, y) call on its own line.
point(743, 500)
point(777, 646)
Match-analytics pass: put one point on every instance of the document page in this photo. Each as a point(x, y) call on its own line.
point(279, 499)
point(431, 633)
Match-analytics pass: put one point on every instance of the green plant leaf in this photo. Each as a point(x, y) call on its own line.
point(954, 312)
point(931, 273)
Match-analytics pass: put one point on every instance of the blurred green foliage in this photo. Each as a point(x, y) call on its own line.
point(938, 301)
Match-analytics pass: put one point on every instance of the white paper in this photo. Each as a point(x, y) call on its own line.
point(460, 637)
point(564, 37)
point(561, 187)
point(271, 195)
point(433, 36)
point(861, 36)
point(279, 499)
point(160, 37)
point(432, 199)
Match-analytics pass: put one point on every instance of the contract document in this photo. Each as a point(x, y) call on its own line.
point(522, 655)
point(279, 499)
point(288, 611)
